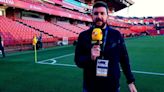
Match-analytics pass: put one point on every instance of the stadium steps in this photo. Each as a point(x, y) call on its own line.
point(82, 27)
point(15, 33)
point(69, 26)
point(36, 29)
point(50, 28)
point(65, 28)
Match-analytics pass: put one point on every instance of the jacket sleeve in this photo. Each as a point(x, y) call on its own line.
point(125, 61)
point(82, 57)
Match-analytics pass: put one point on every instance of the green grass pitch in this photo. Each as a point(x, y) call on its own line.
point(19, 73)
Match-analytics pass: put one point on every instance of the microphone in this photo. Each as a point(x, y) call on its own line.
point(97, 36)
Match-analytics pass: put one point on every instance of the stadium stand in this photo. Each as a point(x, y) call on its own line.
point(17, 29)
point(162, 31)
point(49, 28)
point(36, 2)
point(52, 6)
point(70, 27)
point(82, 26)
point(15, 33)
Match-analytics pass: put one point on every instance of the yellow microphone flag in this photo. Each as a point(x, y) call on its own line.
point(97, 34)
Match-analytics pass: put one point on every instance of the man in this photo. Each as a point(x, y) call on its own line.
point(2, 46)
point(40, 41)
point(101, 68)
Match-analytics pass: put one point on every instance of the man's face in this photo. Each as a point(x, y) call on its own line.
point(99, 16)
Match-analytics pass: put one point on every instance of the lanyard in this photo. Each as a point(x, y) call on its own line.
point(105, 38)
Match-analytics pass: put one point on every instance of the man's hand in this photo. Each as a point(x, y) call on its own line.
point(95, 52)
point(132, 87)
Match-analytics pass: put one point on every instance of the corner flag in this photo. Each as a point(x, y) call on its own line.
point(34, 41)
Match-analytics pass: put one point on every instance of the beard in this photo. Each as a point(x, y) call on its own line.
point(100, 26)
point(99, 23)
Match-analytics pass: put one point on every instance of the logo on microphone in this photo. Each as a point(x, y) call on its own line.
point(97, 36)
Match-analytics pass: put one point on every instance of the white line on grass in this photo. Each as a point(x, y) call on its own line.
point(71, 65)
point(57, 57)
point(134, 71)
point(57, 64)
point(149, 73)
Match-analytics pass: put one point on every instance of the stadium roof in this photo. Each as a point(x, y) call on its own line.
point(143, 8)
point(115, 5)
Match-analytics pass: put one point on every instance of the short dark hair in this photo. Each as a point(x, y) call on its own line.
point(101, 4)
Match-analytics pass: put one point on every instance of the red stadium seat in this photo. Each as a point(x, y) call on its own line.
point(13, 32)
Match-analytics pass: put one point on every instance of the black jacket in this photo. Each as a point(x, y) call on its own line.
point(115, 51)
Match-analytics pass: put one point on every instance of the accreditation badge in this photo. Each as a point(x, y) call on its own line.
point(102, 68)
